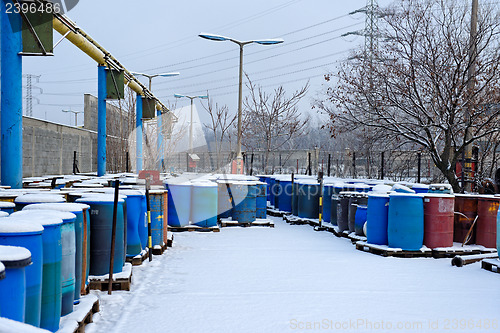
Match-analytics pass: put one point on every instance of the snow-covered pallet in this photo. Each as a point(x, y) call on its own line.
point(170, 240)
point(82, 315)
point(159, 249)
point(276, 213)
point(385, 251)
point(121, 281)
point(194, 228)
point(224, 223)
point(492, 265)
point(356, 238)
point(292, 219)
point(138, 259)
point(458, 250)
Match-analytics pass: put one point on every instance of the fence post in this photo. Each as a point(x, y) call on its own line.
point(309, 164)
point(353, 164)
point(126, 163)
point(251, 165)
point(419, 166)
point(382, 175)
point(74, 162)
point(329, 163)
point(463, 171)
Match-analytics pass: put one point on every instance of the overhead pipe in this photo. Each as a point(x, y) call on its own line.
point(78, 37)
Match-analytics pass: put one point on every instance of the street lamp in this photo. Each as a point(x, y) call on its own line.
point(159, 125)
point(219, 38)
point(191, 122)
point(76, 115)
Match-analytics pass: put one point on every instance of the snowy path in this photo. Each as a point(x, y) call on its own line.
point(289, 279)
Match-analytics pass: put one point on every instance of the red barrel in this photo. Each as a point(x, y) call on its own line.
point(438, 220)
point(486, 225)
point(466, 205)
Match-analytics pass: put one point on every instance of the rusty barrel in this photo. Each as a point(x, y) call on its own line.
point(466, 205)
point(438, 220)
point(486, 225)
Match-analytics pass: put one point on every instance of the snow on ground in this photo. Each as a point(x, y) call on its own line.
point(293, 279)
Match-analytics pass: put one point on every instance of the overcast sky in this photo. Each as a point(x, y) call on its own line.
point(162, 36)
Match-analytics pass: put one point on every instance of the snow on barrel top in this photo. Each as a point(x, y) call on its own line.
point(38, 198)
point(13, 225)
point(59, 206)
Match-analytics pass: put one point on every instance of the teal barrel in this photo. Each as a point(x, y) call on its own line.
point(377, 218)
point(360, 220)
point(405, 228)
point(82, 232)
point(14, 261)
point(261, 200)
point(52, 259)
point(204, 204)
point(16, 231)
point(32, 198)
point(308, 200)
point(245, 198)
point(158, 215)
point(68, 243)
point(224, 202)
point(135, 221)
point(101, 225)
point(284, 193)
point(7, 207)
point(179, 201)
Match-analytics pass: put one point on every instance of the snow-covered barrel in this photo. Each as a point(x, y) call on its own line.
point(101, 223)
point(343, 211)
point(179, 202)
point(33, 198)
point(204, 204)
point(16, 231)
point(261, 200)
point(7, 207)
point(328, 191)
point(245, 199)
point(377, 218)
point(284, 194)
point(405, 227)
point(13, 263)
point(309, 193)
point(157, 205)
point(486, 225)
point(438, 220)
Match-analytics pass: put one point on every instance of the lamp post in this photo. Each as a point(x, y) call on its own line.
point(192, 98)
point(150, 77)
point(241, 44)
point(76, 115)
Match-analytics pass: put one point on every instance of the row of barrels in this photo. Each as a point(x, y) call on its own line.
point(395, 215)
point(63, 237)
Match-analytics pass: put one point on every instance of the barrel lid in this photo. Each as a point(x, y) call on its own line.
point(39, 198)
point(381, 188)
point(11, 225)
point(401, 194)
point(9, 194)
point(125, 192)
point(283, 178)
point(402, 188)
point(44, 217)
point(307, 182)
point(4, 214)
point(488, 197)
point(87, 185)
point(5, 204)
point(419, 186)
point(157, 191)
point(58, 206)
point(244, 183)
point(377, 195)
point(99, 198)
point(204, 184)
point(438, 195)
point(14, 256)
point(360, 186)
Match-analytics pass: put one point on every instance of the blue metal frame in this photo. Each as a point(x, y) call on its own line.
point(101, 120)
point(138, 133)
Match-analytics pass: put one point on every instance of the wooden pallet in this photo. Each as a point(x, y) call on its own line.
point(256, 223)
point(356, 238)
point(492, 265)
point(138, 259)
point(386, 251)
point(81, 316)
point(88, 318)
point(121, 281)
point(456, 251)
point(170, 241)
point(276, 213)
point(158, 251)
point(194, 228)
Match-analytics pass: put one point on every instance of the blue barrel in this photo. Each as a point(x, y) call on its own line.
point(224, 202)
point(405, 227)
point(101, 224)
point(157, 205)
point(19, 232)
point(276, 193)
point(52, 259)
point(295, 199)
point(204, 204)
point(377, 218)
point(261, 200)
point(498, 232)
point(360, 220)
point(328, 191)
point(135, 220)
point(33, 198)
point(334, 203)
point(179, 201)
point(7, 207)
point(308, 199)
point(271, 188)
point(13, 285)
point(284, 194)
point(420, 188)
point(245, 211)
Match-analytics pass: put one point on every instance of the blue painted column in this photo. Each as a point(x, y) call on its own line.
point(138, 133)
point(11, 107)
point(101, 120)
point(160, 140)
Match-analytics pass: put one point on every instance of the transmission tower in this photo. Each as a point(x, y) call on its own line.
point(29, 92)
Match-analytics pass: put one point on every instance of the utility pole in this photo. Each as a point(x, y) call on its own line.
point(471, 85)
point(29, 92)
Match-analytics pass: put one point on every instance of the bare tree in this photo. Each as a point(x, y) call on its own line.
point(272, 121)
point(221, 124)
point(420, 92)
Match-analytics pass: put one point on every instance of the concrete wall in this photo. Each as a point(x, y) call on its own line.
point(48, 148)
